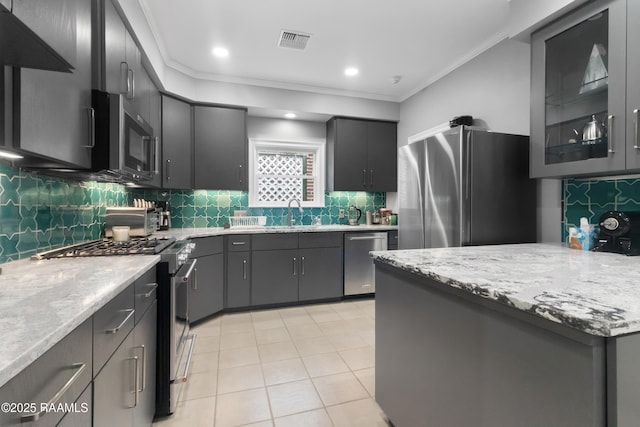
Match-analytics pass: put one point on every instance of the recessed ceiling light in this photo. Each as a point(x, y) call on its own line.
point(290, 116)
point(351, 71)
point(220, 52)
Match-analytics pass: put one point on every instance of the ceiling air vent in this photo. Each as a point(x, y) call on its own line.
point(293, 39)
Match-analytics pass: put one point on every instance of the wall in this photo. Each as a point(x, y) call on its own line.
point(494, 88)
point(38, 213)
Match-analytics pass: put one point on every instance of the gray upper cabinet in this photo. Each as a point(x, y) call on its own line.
point(361, 155)
point(633, 85)
point(177, 144)
point(220, 148)
point(122, 60)
point(61, 136)
point(579, 120)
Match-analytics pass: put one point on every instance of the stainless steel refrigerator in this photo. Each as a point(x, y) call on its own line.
point(465, 186)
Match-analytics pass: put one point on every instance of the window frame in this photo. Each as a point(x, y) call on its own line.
point(318, 147)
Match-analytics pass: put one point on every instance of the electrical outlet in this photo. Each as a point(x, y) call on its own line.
point(341, 213)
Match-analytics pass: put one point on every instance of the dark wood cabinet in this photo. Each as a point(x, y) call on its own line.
point(361, 155)
point(60, 136)
point(177, 144)
point(220, 148)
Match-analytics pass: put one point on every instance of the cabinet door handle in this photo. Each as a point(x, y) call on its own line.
point(153, 287)
point(195, 279)
point(240, 174)
point(144, 367)
point(610, 137)
point(131, 88)
point(92, 128)
point(371, 177)
point(117, 328)
point(244, 269)
point(156, 155)
point(364, 177)
point(79, 368)
point(295, 260)
point(124, 73)
point(136, 390)
point(168, 169)
point(636, 113)
point(302, 266)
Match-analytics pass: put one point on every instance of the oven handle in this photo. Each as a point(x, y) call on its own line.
point(185, 375)
point(189, 266)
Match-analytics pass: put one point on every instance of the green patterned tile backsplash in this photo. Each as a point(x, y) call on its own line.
point(38, 212)
point(592, 198)
point(212, 208)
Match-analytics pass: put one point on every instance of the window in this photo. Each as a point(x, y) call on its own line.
point(280, 171)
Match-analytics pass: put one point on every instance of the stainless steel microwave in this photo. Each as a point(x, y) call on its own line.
point(125, 144)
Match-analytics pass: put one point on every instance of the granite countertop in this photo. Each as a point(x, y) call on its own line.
point(42, 301)
point(597, 293)
point(191, 233)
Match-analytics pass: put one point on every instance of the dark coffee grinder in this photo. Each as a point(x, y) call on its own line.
point(165, 214)
point(619, 233)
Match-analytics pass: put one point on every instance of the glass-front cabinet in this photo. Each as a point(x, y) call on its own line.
point(578, 110)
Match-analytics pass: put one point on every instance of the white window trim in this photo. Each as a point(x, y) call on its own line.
point(278, 146)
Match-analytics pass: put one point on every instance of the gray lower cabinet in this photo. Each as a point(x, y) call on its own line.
point(114, 389)
point(296, 267)
point(81, 416)
point(67, 362)
point(206, 296)
point(320, 274)
point(124, 388)
point(40, 93)
point(274, 276)
point(392, 242)
point(146, 349)
point(238, 279)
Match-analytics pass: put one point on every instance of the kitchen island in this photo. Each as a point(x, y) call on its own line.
point(508, 335)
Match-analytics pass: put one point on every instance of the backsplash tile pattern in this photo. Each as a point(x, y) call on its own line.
point(212, 208)
point(39, 213)
point(591, 198)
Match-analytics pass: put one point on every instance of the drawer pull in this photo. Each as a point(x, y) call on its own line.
point(79, 368)
point(153, 287)
point(238, 243)
point(117, 328)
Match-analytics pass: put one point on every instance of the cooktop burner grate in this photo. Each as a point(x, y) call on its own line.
point(108, 247)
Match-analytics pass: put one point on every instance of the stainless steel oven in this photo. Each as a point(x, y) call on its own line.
point(175, 275)
point(182, 341)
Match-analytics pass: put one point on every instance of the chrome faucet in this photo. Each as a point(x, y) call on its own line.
point(289, 217)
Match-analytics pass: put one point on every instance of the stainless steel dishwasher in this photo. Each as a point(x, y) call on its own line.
point(359, 272)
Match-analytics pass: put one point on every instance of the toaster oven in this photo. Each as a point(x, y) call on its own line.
point(141, 221)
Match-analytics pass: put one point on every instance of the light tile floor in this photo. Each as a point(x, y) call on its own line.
point(303, 366)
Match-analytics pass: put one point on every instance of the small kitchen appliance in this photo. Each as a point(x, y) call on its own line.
point(164, 222)
point(619, 233)
point(141, 221)
point(354, 215)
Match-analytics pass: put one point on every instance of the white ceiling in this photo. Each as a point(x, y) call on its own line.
point(419, 40)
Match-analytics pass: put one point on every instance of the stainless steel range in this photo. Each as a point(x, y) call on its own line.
point(175, 274)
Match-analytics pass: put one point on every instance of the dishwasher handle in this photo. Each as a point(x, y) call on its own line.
point(351, 238)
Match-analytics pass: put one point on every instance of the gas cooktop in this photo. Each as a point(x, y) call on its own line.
point(108, 247)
